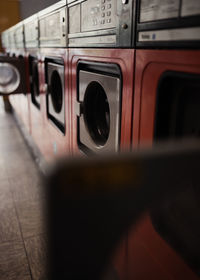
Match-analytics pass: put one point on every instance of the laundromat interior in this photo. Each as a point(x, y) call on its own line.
point(99, 140)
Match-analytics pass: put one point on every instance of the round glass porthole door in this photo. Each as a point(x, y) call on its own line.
point(56, 91)
point(36, 86)
point(97, 113)
point(9, 78)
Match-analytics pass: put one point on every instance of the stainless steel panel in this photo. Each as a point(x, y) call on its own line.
point(98, 14)
point(11, 35)
point(31, 32)
point(111, 87)
point(19, 35)
point(75, 19)
point(4, 39)
point(107, 39)
point(104, 23)
point(53, 29)
point(158, 9)
point(190, 8)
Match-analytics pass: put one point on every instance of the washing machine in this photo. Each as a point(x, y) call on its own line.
point(53, 33)
point(170, 26)
point(106, 23)
point(31, 33)
point(101, 98)
point(166, 105)
point(99, 88)
point(13, 66)
point(53, 30)
point(20, 102)
point(165, 108)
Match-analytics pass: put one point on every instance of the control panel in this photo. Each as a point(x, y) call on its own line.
point(53, 26)
point(19, 35)
point(31, 32)
point(98, 14)
point(5, 40)
point(100, 23)
point(11, 35)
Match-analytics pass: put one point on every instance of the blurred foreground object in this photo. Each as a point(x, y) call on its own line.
point(94, 201)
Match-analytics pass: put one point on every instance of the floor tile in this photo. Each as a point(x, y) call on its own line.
point(37, 256)
point(13, 262)
point(31, 218)
point(21, 207)
point(9, 226)
point(26, 189)
point(6, 199)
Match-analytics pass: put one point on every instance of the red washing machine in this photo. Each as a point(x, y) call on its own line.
point(167, 85)
point(14, 64)
point(101, 75)
point(101, 99)
point(31, 31)
point(54, 97)
point(101, 82)
point(165, 243)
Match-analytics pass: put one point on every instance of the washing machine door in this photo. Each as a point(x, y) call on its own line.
point(12, 75)
point(34, 81)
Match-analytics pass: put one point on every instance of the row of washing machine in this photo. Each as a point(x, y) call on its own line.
point(109, 23)
point(105, 100)
point(90, 89)
point(159, 99)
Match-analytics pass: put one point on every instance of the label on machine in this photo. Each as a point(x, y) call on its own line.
point(178, 34)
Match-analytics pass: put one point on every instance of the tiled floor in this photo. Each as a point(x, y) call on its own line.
point(22, 238)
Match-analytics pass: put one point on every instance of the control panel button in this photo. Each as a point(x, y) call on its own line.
point(108, 6)
point(108, 13)
point(103, 14)
point(102, 8)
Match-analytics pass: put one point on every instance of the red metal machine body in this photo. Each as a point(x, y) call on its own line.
point(147, 253)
